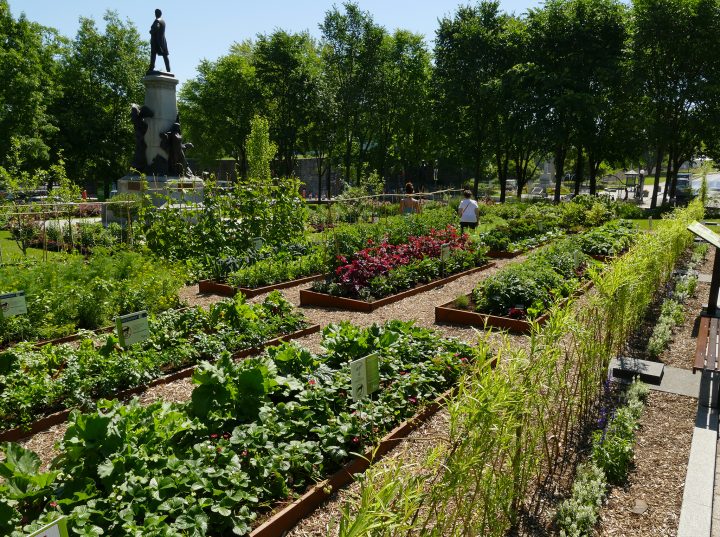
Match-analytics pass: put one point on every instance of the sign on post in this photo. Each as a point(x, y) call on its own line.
point(365, 376)
point(258, 242)
point(132, 328)
point(12, 304)
point(444, 253)
point(705, 233)
point(56, 529)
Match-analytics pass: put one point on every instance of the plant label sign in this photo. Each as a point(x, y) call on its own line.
point(56, 529)
point(258, 242)
point(132, 328)
point(705, 233)
point(444, 253)
point(365, 376)
point(12, 304)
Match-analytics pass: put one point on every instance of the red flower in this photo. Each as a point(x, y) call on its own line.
point(356, 440)
point(53, 504)
point(244, 453)
point(226, 436)
point(213, 436)
point(311, 382)
point(413, 400)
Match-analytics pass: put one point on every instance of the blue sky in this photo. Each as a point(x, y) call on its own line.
point(206, 29)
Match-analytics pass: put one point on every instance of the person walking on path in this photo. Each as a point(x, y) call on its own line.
point(408, 204)
point(468, 212)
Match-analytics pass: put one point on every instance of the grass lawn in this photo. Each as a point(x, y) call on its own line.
point(11, 253)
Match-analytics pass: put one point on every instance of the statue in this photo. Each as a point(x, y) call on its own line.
point(171, 142)
point(158, 45)
point(137, 116)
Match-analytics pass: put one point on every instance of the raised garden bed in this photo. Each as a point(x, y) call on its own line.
point(494, 254)
point(448, 313)
point(223, 289)
point(44, 423)
point(314, 298)
point(286, 518)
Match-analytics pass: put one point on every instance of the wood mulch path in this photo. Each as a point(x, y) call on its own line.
point(663, 442)
point(662, 450)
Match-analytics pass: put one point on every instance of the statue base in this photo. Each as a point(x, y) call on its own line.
point(163, 192)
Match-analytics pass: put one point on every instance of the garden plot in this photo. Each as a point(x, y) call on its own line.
point(521, 295)
point(36, 381)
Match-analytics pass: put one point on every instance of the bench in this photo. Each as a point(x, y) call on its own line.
point(706, 352)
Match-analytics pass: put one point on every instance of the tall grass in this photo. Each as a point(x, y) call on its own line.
point(514, 430)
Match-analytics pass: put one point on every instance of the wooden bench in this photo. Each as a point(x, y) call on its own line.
point(706, 353)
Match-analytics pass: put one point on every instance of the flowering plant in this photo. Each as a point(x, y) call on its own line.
point(379, 259)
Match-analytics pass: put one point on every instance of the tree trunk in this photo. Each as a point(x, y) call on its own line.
point(477, 178)
point(559, 171)
point(656, 184)
point(579, 166)
point(668, 177)
point(593, 174)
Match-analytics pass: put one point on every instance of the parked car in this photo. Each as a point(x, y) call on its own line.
point(683, 187)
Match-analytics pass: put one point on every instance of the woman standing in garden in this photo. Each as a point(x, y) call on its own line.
point(408, 204)
point(468, 212)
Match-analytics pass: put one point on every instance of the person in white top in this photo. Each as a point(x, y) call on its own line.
point(468, 211)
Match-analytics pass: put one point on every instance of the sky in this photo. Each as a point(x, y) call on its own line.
point(198, 29)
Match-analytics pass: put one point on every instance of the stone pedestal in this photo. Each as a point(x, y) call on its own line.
point(160, 97)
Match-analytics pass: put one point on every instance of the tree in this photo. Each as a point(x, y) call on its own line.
point(260, 150)
point(401, 124)
point(217, 106)
point(287, 67)
point(100, 75)
point(468, 60)
point(676, 56)
point(351, 58)
point(27, 69)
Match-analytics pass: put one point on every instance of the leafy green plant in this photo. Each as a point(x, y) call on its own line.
point(576, 516)
point(74, 293)
point(38, 381)
point(253, 431)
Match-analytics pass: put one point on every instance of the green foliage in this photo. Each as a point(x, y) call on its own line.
point(610, 239)
point(612, 449)
point(253, 432)
point(226, 223)
point(281, 267)
point(74, 293)
point(576, 516)
point(534, 284)
point(260, 150)
point(37, 381)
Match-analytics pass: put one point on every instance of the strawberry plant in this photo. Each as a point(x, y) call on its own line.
point(253, 432)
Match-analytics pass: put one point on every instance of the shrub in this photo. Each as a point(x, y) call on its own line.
point(577, 515)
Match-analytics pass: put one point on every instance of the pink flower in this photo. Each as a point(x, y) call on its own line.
point(311, 382)
point(213, 436)
point(53, 504)
point(356, 440)
point(413, 400)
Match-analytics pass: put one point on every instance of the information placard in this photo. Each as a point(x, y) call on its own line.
point(705, 233)
point(444, 252)
point(258, 242)
point(12, 304)
point(365, 376)
point(132, 328)
point(56, 529)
